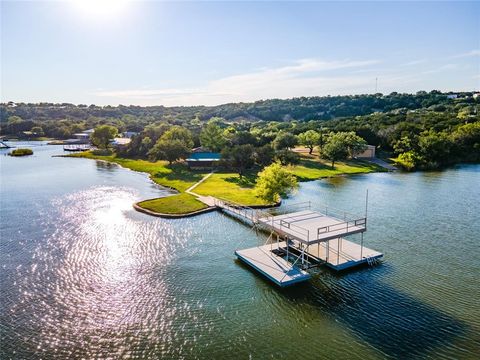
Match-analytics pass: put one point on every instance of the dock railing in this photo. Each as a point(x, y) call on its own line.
point(295, 228)
point(357, 223)
point(295, 206)
point(247, 212)
point(352, 222)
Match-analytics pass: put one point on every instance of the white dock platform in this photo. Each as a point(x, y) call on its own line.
point(314, 238)
point(274, 267)
point(309, 226)
point(340, 254)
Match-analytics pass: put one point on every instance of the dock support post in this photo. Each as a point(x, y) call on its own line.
point(328, 250)
point(286, 238)
point(303, 252)
point(361, 248)
point(338, 251)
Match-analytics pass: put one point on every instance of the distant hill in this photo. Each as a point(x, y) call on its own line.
point(301, 109)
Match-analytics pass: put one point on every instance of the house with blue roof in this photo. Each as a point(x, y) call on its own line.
point(203, 160)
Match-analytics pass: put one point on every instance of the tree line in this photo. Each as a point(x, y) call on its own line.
point(423, 130)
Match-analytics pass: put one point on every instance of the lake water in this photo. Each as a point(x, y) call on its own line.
point(83, 275)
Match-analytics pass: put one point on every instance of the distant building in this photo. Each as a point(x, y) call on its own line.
point(367, 154)
point(452, 96)
point(203, 160)
point(129, 134)
point(82, 137)
point(476, 95)
point(121, 141)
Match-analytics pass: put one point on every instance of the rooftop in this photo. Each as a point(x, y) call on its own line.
point(204, 156)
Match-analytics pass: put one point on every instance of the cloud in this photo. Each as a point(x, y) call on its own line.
point(304, 77)
point(415, 62)
point(471, 53)
point(442, 68)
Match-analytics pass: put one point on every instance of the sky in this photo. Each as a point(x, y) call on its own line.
point(110, 52)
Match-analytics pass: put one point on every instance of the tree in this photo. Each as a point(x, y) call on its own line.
point(212, 137)
point(175, 144)
point(37, 130)
point(239, 157)
point(179, 133)
point(275, 182)
point(243, 138)
point(287, 157)
point(102, 135)
point(309, 139)
point(264, 155)
point(284, 140)
point(355, 144)
point(155, 131)
point(434, 148)
point(145, 145)
point(334, 150)
point(341, 145)
point(170, 150)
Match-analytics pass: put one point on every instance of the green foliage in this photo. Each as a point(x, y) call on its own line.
point(395, 122)
point(275, 182)
point(341, 145)
point(175, 144)
point(284, 140)
point(264, 155)
point(180, 134)
point(37, 131)
point(169, 149)
point(102, 152)
point(408, 160)
point(239, 157)
point(102, 135)
point(21, 152)
point(211, 136)
point(309, 139)
point(242, 138)
point(287, 157)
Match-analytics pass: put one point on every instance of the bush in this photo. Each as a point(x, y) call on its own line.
point(21, 152)
point(407, 161)
point(102, 152)
point(275, 182)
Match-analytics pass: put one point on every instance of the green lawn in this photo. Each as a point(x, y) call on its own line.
point(312, 169)
point(228, 186)
point(175, 204)
point(223, 185)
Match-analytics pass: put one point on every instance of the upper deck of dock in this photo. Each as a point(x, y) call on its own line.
point(311, 227)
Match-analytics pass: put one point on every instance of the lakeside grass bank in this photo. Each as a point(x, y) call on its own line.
point(222, 184)
point(179, 204)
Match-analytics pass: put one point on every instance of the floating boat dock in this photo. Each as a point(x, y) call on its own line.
point(76, 147)
point(276, 268)
point(302, 238)
point(4, 145)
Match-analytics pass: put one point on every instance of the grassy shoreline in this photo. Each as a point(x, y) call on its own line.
point(225, 185)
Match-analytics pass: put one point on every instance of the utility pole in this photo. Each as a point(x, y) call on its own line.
point(376, 85)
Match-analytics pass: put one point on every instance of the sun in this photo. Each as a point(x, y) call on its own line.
point(100, 8)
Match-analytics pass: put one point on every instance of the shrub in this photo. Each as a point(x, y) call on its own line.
point(275, 182)
point(102, 152)
point(21, 152)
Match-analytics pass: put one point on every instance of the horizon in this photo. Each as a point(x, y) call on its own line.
point(135, 53)
point(246, 102)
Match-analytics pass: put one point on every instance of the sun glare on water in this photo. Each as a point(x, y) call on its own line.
point(100, 8)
